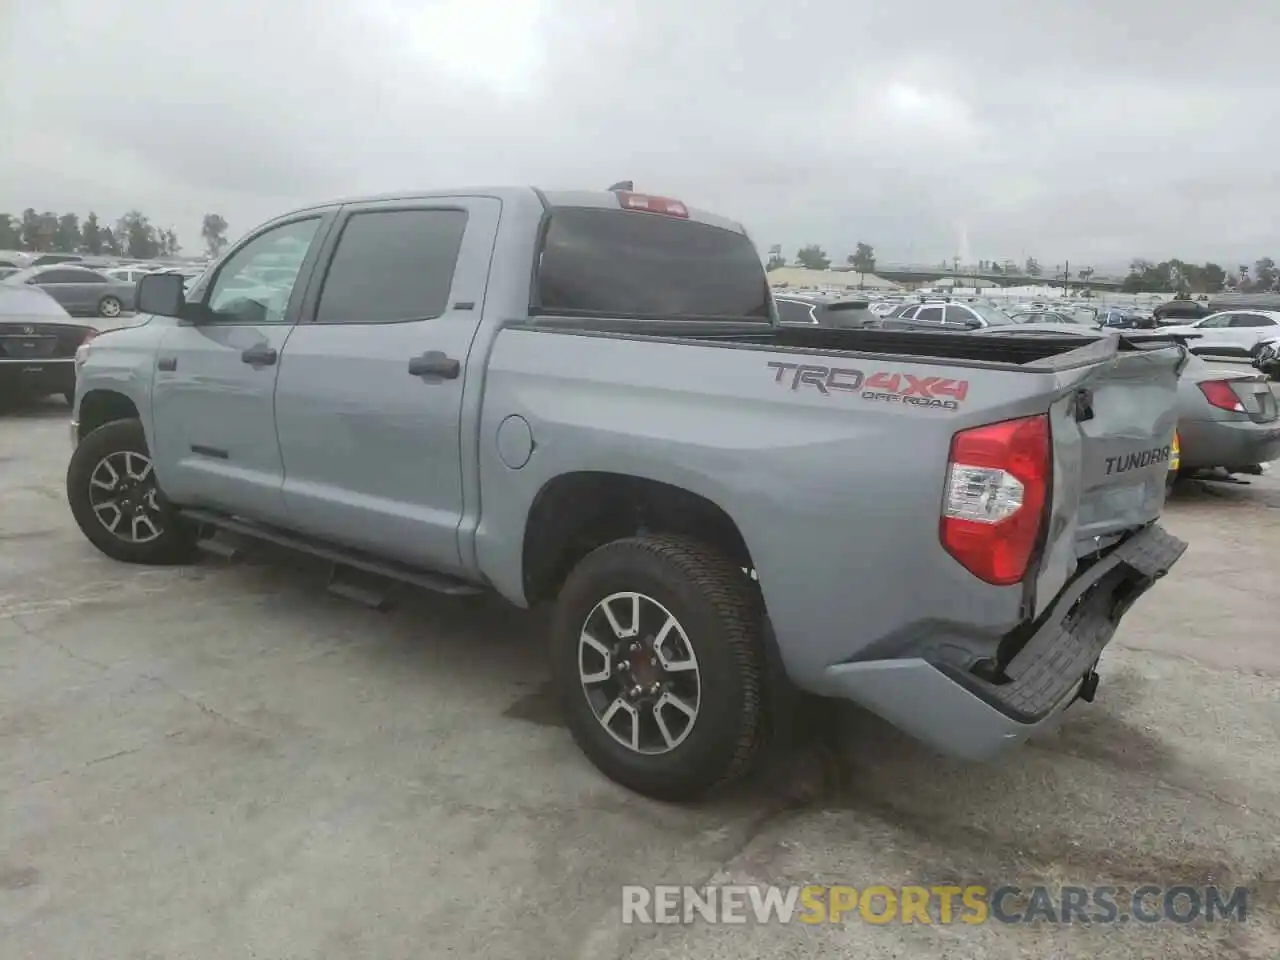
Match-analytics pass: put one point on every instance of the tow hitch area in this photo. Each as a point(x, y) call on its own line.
point(1088, 686)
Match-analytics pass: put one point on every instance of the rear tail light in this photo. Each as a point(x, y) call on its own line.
point(647, 204)
point(89, 334)
point(1220, 395)
point(997, 487)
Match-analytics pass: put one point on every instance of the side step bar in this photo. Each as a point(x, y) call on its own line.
point(348, 565)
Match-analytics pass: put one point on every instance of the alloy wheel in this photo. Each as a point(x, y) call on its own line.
point(124, 497)
point(639, 673)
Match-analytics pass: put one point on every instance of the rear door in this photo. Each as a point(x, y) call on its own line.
point(1250, 329)
point(369, 399)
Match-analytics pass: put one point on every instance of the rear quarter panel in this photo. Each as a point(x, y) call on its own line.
point(837, 496)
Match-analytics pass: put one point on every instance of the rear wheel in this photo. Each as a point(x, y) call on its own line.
point(658, 661)
point(112, 491)
point(109, 307)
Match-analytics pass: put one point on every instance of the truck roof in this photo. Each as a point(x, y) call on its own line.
point(603, 199)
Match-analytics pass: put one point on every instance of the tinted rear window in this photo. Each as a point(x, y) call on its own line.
point(622, 264)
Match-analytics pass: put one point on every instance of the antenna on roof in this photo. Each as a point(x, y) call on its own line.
point(626, 185)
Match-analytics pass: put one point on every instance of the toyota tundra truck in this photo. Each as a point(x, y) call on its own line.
point(585, 399)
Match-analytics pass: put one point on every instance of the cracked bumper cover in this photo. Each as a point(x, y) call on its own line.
point(964, 716)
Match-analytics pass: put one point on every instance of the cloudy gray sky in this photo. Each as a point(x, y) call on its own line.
point(1094, 131)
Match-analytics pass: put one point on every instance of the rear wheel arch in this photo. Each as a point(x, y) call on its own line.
point(574, 513)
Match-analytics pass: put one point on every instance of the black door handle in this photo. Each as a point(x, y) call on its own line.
point(260, 356)
point(167, 364)
point(435, 365)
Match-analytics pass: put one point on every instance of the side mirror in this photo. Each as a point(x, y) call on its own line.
point(163, 294)
point(973, 324)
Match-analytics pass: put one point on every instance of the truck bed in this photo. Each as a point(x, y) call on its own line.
point(1040, 351)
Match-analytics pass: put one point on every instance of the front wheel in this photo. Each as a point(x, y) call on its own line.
point(658, 662)
point(109, 307)
point(112, 491)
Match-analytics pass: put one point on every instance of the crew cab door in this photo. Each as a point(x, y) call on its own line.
point(212, 399)
point(369, 404)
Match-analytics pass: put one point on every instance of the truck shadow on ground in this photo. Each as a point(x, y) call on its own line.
point(830, 757)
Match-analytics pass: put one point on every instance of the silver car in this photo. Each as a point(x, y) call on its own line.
point(81, 291)
point(1227, 418)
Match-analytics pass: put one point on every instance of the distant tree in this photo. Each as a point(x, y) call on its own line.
point(30, 229)
point(111, 243)
point(137, 236)
point(1264, 275)
point(67, 238)
point(10, 232)
point(214, 232)
point(91, 234)
point(1214, 278)
point(863, 259)
point(171, 244)
point(47, 231)
point(813, 257)
point(1032, 267)
point(1244, 276)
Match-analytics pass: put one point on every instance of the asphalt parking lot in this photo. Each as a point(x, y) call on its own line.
point(224, 761)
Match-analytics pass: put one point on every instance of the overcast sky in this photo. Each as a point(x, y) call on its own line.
point(1074, 129)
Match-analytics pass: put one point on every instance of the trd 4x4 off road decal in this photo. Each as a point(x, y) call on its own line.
point(938, 392)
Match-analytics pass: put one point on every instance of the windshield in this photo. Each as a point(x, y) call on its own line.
point(623, 264)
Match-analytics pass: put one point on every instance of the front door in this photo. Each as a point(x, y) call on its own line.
point(212, 413)
point(369, 402)
point(1213, 335)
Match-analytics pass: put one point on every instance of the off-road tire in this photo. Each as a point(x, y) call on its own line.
point(719, 608)
point(176, 543)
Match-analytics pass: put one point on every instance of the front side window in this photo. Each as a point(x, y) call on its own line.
point(57, 276)
point(1216, 322)
point(391, 266)
point(241, 294)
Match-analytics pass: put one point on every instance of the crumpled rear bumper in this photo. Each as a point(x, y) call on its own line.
point(963, 715)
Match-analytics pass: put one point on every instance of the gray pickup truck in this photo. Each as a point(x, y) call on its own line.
point(586, 398)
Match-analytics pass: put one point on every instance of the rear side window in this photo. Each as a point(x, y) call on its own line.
point(68, 276)
point(794, 311)
point(392, 266)
point(624, 264)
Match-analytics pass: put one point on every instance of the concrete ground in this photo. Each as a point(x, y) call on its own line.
point(223, 761)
